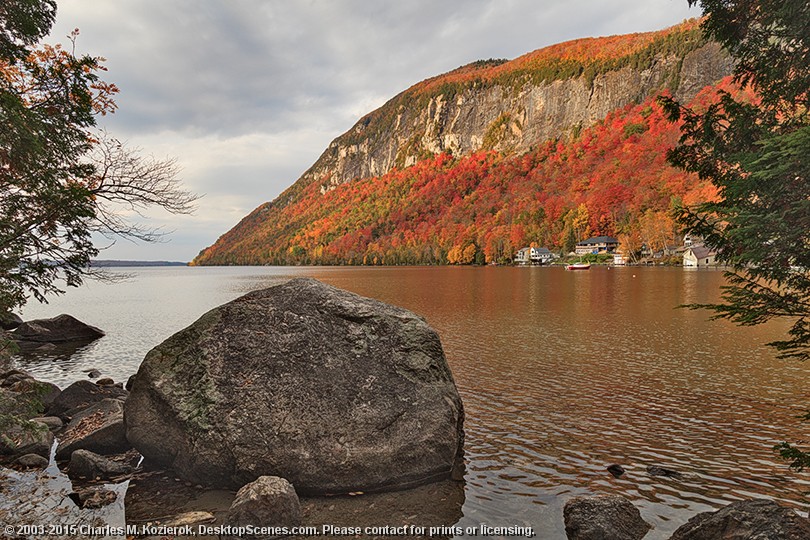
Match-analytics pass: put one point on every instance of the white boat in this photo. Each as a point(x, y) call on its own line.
point(578, 266)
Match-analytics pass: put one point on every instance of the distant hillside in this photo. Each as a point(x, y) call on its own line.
point(482, 156)
point(109, 263)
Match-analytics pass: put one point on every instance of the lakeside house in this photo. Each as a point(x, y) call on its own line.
point(699, 256)
point(690, 240)
point(597, 244)
point(534, 255)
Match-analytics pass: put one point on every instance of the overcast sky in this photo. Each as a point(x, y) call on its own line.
point(246, 94)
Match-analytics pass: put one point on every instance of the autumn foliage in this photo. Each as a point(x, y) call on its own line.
point(611, 179)
point(586, 56)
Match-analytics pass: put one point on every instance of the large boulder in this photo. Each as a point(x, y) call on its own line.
point(59, 329)
point(746, 520)
point(604, 517)
point(330, 390)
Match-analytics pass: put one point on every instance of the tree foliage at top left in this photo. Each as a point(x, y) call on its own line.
point(53, 193)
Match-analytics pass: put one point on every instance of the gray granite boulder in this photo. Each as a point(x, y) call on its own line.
point(41, 392)
point(81, 395)
point(58, 329)
point(754, 519)
point(330, 390)
point(32, 461)
point(268, 501)
point(53, 423)
point(99, 428)
point(89, 465)
point(28, 438)
point(604, 517)
point(26, 397)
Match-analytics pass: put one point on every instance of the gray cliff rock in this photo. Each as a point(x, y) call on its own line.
point(330, 390)
point(504, 117)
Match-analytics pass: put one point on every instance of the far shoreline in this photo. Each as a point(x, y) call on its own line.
point(114, 263)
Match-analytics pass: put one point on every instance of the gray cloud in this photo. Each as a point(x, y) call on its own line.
point(248, 93)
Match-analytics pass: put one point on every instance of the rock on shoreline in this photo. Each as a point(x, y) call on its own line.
point(59, 329)
point(330, 390)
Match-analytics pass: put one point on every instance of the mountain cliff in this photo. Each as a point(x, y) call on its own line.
point(505, 110)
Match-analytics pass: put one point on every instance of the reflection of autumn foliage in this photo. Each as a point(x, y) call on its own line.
point(607, 181)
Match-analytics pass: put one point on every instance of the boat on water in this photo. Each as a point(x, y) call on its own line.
point(578, 266)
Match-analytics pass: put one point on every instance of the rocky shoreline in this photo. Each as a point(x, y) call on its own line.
point(89, 490)
point(74, 472)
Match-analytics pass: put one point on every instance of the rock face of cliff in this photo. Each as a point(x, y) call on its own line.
point(510, 110)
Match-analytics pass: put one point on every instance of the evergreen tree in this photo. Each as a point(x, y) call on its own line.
point(754, 146)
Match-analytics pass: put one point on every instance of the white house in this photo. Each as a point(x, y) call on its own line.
point(690, 240)
point(699, 257)
point(522, 256)
point(534, 255)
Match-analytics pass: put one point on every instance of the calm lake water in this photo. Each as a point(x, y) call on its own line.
point(561, 373)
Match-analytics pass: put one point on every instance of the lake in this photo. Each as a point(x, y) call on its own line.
point(561, 374)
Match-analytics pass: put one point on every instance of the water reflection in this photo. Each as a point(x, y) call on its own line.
point(562, 374)
point(38, 505)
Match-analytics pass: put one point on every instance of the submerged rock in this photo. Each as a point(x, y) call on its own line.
point(56, 330)
point(656, 470)
point(330, 390)
point(93, 497)
point(604, 517)
point(751, 519)
point(193, 518)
